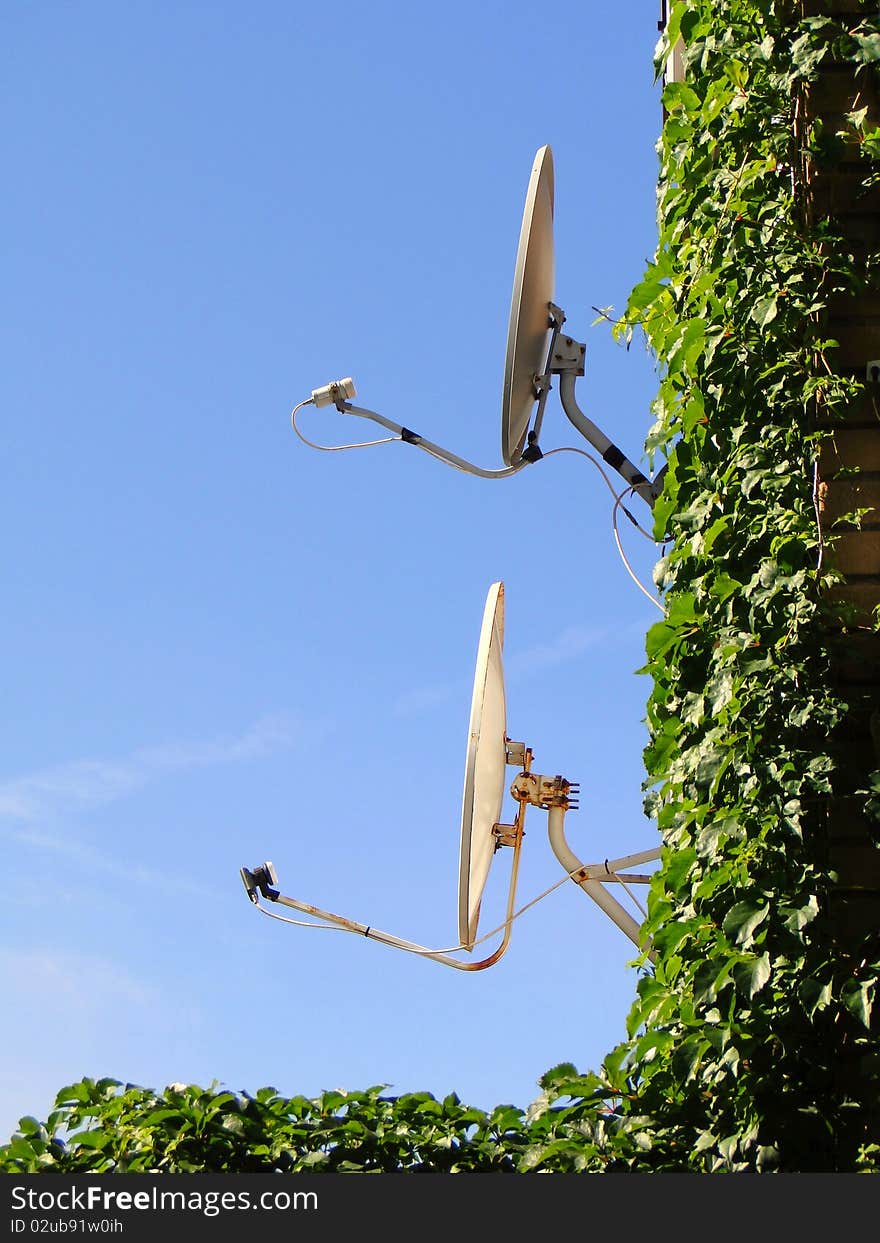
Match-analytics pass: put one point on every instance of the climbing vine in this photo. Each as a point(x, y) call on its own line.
point(752, 1041)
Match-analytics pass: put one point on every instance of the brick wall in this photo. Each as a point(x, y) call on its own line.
point(836, 192)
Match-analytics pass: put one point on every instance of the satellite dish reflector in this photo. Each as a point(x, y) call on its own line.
point(529, 329)
point(484, 770)
point(489, 752)
point(536, 351)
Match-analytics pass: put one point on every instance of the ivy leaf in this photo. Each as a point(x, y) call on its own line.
point(737, 73)
point(858, 997)
point(32, 1127)
point(681, 609)
point(644, 294)
point(659, 639)
point(92, 1139)
point(678, 866)
point(706, 1140)
point(869, 48)
point(558, 1076)
point(314, 1159)
point(613, 1068)
point(74, 1092)
point(803, 915)
point(724, 586)
point(20, 1150)
point(806, 55)
point(693, 412)
point(720, 692)
point(751, 974)
point(690, 346)
point(764, 311)
point(648, 1046)
point(718, 526)
point(678, 95)
point(716, 831)
point(688, 1055)
point(741, 922)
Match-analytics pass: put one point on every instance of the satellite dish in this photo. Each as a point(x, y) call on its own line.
point(537, 350)
point(489, 752)
point(529, 328)
point(484, 770)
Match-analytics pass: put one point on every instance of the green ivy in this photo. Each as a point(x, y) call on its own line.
point(753, 1042)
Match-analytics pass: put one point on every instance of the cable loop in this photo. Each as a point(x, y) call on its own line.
point(363, 444)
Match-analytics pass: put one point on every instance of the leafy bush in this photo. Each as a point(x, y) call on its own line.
point(106, 1127)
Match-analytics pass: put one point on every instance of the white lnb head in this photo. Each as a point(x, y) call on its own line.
point(336, 390)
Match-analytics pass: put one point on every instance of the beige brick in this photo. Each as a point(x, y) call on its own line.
point(841, 193)
point(855, 659)
point(862, 233)
point(836, 92)
point(862, 596)
point(859, 344)
point(860, 306)
point(843, 818)
point(843, 496)
point(850, 447)
point(855, 916)
point(858, 552)
point(834, 8)
point(857, 865)
point(863, 412)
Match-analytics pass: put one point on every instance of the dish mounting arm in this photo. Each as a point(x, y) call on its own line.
point(337, 392)
point(259, 883)
point(555, 795)
point(567, 362)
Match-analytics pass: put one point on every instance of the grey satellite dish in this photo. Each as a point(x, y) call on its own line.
point(487, 756)
point(489, 752)
point(537, 350)
point(528, 332)
point(484, 769)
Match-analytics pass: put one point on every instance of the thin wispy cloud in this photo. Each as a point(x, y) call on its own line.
point(101, 865)
point(52, 977)
point(75, 1013)
point(88, 783)
point(569, 645)
point(423, 698)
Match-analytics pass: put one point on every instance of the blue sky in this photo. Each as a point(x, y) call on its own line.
point(223, 647)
